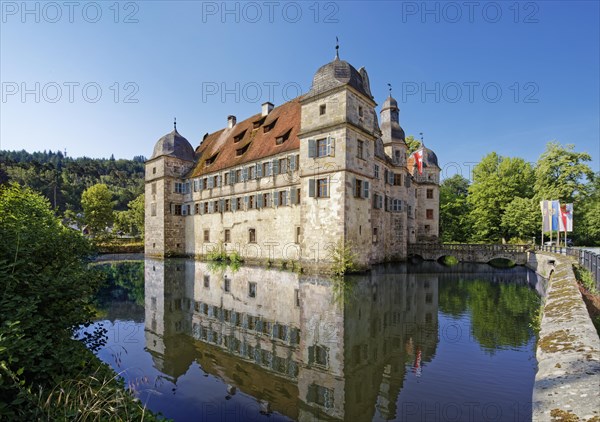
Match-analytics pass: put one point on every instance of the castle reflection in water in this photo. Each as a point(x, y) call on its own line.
point(303, 346)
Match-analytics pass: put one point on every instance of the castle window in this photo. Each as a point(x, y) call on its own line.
point(240, 151)
point(429, 193)
point(376, 171)
point(270, 126)
point(282, 197)
point(211, 160)
point(153, 170)
point(217, 181)
point(322, 148)
point(179, 187)
point(206, 281)
point(238, 175)
point(251, 289)
point(227, 237)
point(206, 208)
point(429, 214)
point(227, 284)
point(267, 200)
point(206, 235)
point(251, 235)
point(153, 188)
point(397, 157)
point(196, 208)
point(282, 138)
point(238, 203)
point(267, 167)
point(322, 396)
point(227, 205)
point(360, 149)
point(396, 205)
point(226, 181)
point(360, 111)
point(318, 355)
point(153, 210)
point(397, 179)
point(251, 204)
point(258, 123)
point(358, 188)
point(375, 230)
point(322, 188)
point(252, 172)
point(322, 109)
point(177, 210)
point(298, 234)
point(239, 136)
point(283, 165)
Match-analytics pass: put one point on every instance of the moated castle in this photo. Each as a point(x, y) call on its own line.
point(292, 181)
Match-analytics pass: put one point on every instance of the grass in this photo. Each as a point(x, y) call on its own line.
point(584, 276)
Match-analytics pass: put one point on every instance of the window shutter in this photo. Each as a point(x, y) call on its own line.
point(258, 170)
point(231, 177)
point(294, 195)
point(244, 174)
point(311, 188)
point(375, 200)
point(210, 183)
point(259, 200)
point(284, 197)
point(275, 166)
point(268, 169)
point(234, 204)
point(311, 357)
point(312, 148)
point(385, 175)
point(246, 199)
point(276, 198)
point(221, 205)
point(353, 186)
point(380, 201)
point(292, 162)
point(366, 189)
point(210, 207)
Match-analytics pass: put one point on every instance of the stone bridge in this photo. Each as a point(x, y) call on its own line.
point(470, 252)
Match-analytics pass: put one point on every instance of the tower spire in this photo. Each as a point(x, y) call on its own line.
point(175, 123)
point(390, 89)
point(337, 48)
point(422, 141)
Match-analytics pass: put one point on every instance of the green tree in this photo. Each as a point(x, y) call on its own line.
point(496, 182)
point(132, 220)
point(454, 209)
point(561, 173)
point(586, 215)
point(412, 143)
point(97, 205)
point(521, 219)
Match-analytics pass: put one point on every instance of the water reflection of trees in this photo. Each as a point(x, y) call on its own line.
point(501, 313)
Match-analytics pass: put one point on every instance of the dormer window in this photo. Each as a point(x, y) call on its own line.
point(322, 109)
point(282, 138)
point(239, 136)
point(211, 160)
point(270, 126)
point(258, 123)
point(240, 151)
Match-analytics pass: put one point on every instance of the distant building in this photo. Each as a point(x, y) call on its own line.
point(292, 181)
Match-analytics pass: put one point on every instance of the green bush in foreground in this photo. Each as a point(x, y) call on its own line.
point(47, 293)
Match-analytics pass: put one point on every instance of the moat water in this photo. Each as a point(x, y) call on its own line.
point(404, 342)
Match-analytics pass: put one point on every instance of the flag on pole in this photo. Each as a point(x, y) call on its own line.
point(419, 160)
point(569, 217)
point(546, 225)
point(555, 214)
point(562, 218)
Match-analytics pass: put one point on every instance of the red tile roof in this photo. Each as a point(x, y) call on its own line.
point(222, 146)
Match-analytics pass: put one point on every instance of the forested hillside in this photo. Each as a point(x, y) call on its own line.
point(63, 179)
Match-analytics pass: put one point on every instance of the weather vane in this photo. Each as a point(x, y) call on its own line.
point(337, 48)
point(422, 141)
point(175, 123)
point(390, 89)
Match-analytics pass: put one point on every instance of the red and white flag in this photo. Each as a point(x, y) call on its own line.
point(419, 160)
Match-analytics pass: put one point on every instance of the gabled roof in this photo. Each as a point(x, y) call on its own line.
point(223, 151)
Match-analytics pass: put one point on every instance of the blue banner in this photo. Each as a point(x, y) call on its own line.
point(555, 214)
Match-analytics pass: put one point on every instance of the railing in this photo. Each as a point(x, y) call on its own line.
point(469, 247)
point(587, 259)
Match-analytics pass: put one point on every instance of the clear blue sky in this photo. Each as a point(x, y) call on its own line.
point(164, 59)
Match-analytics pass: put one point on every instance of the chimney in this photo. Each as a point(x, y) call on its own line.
point(230, 121)
point(266, 108)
